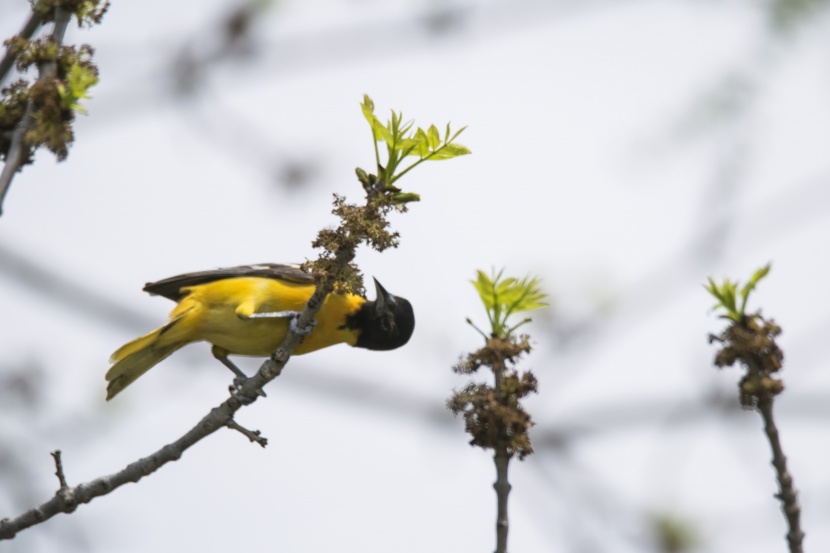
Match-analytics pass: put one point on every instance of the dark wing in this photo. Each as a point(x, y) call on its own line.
point(171, 287)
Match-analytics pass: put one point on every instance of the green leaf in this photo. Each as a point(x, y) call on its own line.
point(459, 131)
point(712, 288)
point(404, 130)
point(728, 292)
point(401, 141)
point(385, 134)
point(504, 297)
point(753, 281)
point(79, 80)
point(405, 197)
point(434, 137)
point(450, 151)
point(423, 142)
point(368, 108)
point(410, 147)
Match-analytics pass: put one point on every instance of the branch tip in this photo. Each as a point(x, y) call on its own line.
point(56, 455)
point(252, 435)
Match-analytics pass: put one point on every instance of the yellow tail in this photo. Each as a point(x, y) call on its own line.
point(137, 357)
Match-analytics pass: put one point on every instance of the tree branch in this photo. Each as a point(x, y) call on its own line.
point(56, 455)
point(502, 460)
point(18, 148)
point(26, 32)
point(67, 500)
point(751, 340)
point(502, 487)
point(787, 493)
point(253, 435)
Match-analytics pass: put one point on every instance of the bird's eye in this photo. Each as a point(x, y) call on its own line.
point(387, 321)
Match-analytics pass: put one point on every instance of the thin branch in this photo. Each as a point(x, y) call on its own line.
point(502, 487)
point(56, 455)
point(219, 417)
point(26, 33)
point(787, 493)
point(253, 435)
point(18, 149)
point(502, 460)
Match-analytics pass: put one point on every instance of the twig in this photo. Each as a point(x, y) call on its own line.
point(217, 418)
point(253, 435)
point(502, 487)
point(502, 459)
point(761, 386)
point(64, 493)
point(18, 148)
point(751, 340)
point(26, 32)
point(787, 493)
point(56, 455)
point(494, 416)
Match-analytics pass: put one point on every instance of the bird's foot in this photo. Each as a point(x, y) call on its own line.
point(236, 390)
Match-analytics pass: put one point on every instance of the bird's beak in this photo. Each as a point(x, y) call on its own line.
point(383, 300)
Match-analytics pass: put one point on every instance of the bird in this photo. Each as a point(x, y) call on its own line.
point(249, 309)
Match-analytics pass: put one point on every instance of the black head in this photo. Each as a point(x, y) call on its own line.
point(384, 324)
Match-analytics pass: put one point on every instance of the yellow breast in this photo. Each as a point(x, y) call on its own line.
point(218, 310)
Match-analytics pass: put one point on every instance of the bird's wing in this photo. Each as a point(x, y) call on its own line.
point(171, 287)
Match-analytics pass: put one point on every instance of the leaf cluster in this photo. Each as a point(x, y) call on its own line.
point(497, 352)
point(358, 224)
point(494, 415)
point(13, 100)
point(727, 294)
point(87, 12)
point(55, 97)
point(505, 297)
point(79, 79)
point(369, 223)
point(401, 142)
point(497, 419)
point(752, 342)
point(55, 102)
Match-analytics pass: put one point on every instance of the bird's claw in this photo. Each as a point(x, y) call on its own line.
point(236, 388)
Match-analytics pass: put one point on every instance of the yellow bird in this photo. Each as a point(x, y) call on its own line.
point(248, 310)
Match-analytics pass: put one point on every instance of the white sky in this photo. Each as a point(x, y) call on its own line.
point(590, 168)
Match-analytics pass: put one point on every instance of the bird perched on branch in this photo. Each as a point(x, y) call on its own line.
point(248, 310)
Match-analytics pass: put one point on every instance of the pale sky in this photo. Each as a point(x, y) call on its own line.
point(600, 163)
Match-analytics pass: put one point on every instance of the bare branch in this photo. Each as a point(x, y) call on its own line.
point(502, 487)
point(56, 455)
point(18, 149)
point(253, 435)
point(502, 460)
point(787, 493)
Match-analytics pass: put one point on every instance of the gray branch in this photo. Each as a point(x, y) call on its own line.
point(18, 149)
point(502, 460)
point(253, 435)
point(502, 487)
point(787, 493)
point(66, 500)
